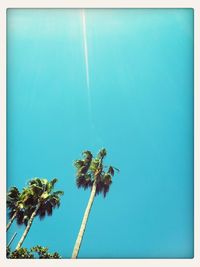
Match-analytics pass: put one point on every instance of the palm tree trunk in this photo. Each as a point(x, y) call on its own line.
point(11, 221)
point(12, 239)
point(21, 241)
point(84, 222)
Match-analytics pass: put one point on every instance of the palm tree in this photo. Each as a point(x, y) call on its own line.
point(15, 204)
point(41, 200)
point(91, 173)
point(13, 197)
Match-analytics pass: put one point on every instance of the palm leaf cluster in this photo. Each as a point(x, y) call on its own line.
point(17, 206)
point(43, 253)
point(22, 253)
point(90, 169)
point(40, 193)
point(37, 252)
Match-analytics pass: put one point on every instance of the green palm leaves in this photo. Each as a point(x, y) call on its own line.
point(40, 193)
point(37, 252)
point(13, 205)
point(90, 169)
point(37, 199)
point(17, 207)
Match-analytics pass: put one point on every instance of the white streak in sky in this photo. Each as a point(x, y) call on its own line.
point(85, 45)
point(85, 49)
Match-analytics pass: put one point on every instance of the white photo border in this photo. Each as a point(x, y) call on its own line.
point(4, 5)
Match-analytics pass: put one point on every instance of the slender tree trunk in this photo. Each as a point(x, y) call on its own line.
point(84, 222)
point(12, 239)
point(21, 241)
point(11, 221)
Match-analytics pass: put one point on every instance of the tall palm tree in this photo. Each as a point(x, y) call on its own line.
point(91, 173)
point(41, 200)
point(16, 206)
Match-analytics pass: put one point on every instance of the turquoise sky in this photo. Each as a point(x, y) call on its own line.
point(141, 92)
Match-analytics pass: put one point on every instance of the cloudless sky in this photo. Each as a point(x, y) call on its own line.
point(141, 90)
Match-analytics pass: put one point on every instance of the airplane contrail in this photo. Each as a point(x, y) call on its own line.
point(85, 45)
point(88, 85)
point(85, 48)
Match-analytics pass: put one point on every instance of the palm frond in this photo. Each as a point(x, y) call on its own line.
point(79, 163)
point(94, 165)
point(102, 153)
point(111, 170)
point(49, 208)
point(92, 169)
point(58, 193)
point(51, 184)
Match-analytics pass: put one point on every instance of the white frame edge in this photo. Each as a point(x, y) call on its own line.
point(195, 4)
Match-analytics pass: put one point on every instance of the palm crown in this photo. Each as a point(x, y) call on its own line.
point(91, 169)
point(13, 201)
point(40, 200)
point(40, 194)
point(16, 205)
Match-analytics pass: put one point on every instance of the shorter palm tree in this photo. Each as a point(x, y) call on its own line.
point(41, 200)
point(16, 206)
point(12, 201)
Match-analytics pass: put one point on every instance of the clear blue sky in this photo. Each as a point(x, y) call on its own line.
point(141, 89)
